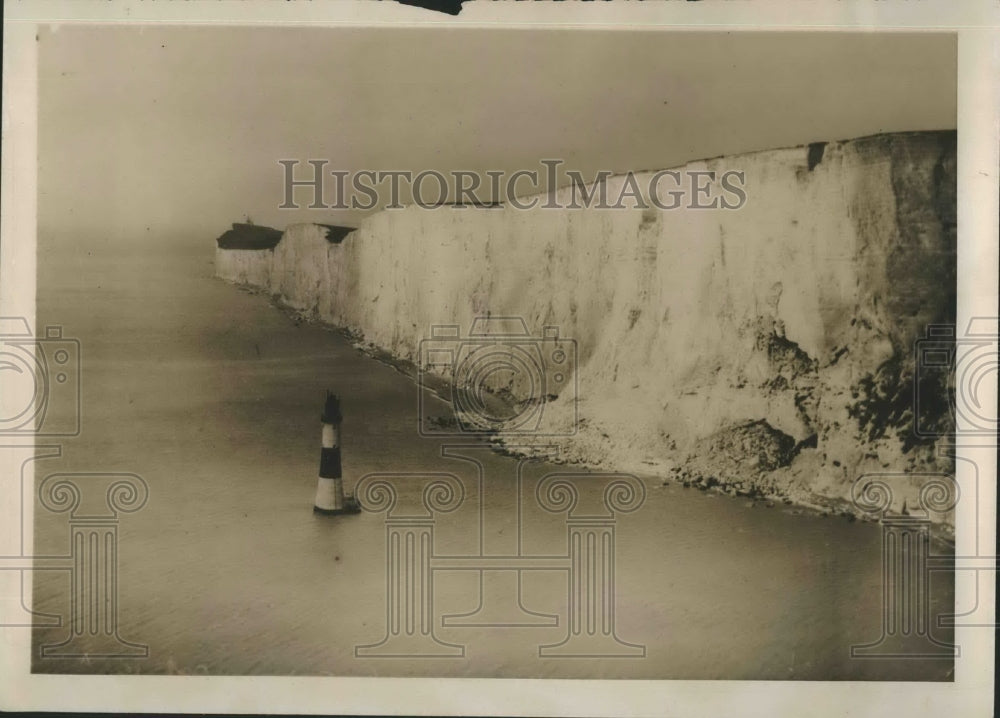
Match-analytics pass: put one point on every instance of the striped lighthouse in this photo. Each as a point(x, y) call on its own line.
point(330, 497)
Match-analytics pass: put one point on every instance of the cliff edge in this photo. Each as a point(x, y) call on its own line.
point(768, 350)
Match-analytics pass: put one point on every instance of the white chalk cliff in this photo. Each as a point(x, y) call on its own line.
point(769, 349)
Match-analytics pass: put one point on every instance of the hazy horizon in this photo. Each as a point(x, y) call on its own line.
point(177, 131)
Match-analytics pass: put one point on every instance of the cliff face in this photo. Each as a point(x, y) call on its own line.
point(768, 348)
point(244, 266)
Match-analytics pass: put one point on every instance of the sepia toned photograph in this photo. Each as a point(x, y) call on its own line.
point(496, 352)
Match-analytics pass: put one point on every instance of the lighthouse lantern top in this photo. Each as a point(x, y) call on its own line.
point(331, 409)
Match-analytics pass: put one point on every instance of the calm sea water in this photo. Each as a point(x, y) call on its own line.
point(212, 396)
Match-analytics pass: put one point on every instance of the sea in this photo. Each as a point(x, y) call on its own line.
point(206, 399)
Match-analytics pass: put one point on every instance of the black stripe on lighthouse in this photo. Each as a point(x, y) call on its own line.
point(329, 463)
point(330, 498)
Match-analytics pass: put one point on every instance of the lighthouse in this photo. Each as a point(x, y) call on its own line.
point(330, 497)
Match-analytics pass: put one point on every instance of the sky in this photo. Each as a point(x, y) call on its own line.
point(152, 133)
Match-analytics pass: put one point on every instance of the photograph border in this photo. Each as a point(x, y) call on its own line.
point(971, 693)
